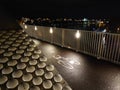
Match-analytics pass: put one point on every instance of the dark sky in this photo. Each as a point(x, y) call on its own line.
point(63, 8)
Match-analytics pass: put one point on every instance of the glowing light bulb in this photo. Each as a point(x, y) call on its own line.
point(51, 30)
point(36, 28)
point(77, 35)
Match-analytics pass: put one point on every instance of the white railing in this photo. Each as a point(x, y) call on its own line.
point(104, 46)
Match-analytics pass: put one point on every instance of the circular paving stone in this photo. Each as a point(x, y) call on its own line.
point(12, 83)
point(22, 38)
point(1, 66)
point(27, 54)
point(58, 78)
point(12, 63)
point(2, 40)
point(50, 67)
point(12, 48)
point(35, 88)
point(23, 86)
point(67, 88)
point(35, 56)
point(25, 43)
point(37, 51)
point(8, 42)
point(23, 47)
point(21, 66)
point(28, 39)
point(20, 51)
point(12, 39)
point(27, 77)
point(4, 46)
point(24, 59)
point(30, 49)
point(33, 62)
point(15, 44)
point(7, 70)
point(41, 65)
point(16, 56)
point(8, 54)
point(2, 51)
point(32, 45)
point(3, 79)
point(57, 86)
point(30, 69)
point(18, 41)
point(39, 72)
point(3, 60)
point(43, 58)
point(17, 74)
point(15, 36)
point(37, 80)
point(49, 75)
point(47, 84)
point(5, 36)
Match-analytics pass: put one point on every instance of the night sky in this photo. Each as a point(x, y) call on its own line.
point(63, 8)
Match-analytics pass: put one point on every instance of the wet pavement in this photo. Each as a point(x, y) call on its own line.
point(82, 72)
point(23, 66)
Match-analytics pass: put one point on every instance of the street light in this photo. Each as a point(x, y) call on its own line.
point(36, 28)
point(51, 30)
point(77, 34)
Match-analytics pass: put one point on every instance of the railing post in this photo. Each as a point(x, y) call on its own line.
point(63, 37)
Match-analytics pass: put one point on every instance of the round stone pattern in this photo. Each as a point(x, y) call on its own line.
point(30, 69)
point(21, 66)
point(57, 86)
point(3, 60)
point(12, 83)
point(1, 66)
point(35, 88)
point(8, 54)
point(33, 62)
point(23, 86)
point(41, 65)
point(50, 67)
point(47, 84)
point(39, 72)
point(3, 79)
point(27, 77)
point(17, 74)
point(49, 75)
point(35, 56)
point(7, 70)
point(37, 80)
point(12, 63)
point(24, 59)
point(20, 51)
point(16, 56)
point(58, 78)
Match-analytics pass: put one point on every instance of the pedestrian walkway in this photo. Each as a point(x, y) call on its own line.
point(82, 72)
point(23, 66)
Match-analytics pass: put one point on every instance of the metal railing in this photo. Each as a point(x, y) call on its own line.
point(104, 46)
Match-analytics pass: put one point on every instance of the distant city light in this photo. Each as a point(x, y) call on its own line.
point(85, 19)
point(36, 28)
point(77, 35)
point(25, 26)
point(51, 30)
